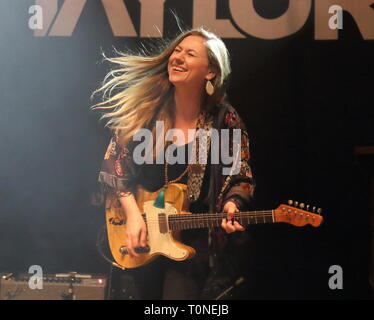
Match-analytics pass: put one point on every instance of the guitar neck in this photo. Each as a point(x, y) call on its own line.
point(207, 220)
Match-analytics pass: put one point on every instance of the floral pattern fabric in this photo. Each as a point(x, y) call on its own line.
point(118, 173)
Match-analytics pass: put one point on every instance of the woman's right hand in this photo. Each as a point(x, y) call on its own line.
point(136, 229)
point(136, 233)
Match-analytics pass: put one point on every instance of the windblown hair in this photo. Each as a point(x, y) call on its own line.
point(139, 92)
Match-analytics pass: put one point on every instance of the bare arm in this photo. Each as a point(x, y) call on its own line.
point(136, 230)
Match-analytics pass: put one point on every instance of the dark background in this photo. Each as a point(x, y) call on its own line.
point(306, 103)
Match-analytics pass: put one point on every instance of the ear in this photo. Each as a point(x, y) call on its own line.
point(210, 75)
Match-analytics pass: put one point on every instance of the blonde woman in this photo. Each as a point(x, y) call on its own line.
point(183, 86)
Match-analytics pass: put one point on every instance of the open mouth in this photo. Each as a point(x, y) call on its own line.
point(178, 69)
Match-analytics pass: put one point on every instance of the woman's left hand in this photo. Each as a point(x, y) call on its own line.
point(227, 224)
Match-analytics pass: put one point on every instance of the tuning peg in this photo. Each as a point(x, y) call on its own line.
point(314, 209)
point(290, 202)
point(319, 211)
point(296, 203)
point(307, 207)
point(302, 205)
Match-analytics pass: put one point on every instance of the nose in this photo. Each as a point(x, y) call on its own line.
point(179, 57)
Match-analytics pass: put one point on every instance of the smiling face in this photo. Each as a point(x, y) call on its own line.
point(188, 64)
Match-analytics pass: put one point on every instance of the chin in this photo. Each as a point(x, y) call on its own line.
point(175, 81)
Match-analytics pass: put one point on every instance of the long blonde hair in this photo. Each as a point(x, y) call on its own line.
point(139, 91)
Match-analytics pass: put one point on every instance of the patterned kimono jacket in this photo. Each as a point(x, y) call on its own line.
point(119, 174)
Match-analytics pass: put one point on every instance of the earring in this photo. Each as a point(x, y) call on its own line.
point(209, 88)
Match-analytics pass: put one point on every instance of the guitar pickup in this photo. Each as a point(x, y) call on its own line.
point(146, 249)
point(162, 223)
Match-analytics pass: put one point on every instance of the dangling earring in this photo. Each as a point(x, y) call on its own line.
point(209, 88)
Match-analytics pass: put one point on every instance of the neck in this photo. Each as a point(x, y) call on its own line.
point(211, 220)
point(188, 104)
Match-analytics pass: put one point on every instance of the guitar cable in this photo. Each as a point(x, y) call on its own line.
point(99, 242)
point(228, 290)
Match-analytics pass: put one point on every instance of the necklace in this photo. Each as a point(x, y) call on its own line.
point(200, 121)
point(167, 182)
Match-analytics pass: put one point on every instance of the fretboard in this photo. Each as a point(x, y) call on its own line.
point(207, 220)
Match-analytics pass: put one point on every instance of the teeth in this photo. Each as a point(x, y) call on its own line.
point(178, 69)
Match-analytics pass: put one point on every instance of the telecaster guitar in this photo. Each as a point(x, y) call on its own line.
point(166, 213)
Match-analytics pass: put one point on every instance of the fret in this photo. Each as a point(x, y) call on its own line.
point(209, 220)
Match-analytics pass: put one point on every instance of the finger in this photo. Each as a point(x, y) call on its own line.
point(238, 226)
point(130, 249)
point(143, 237)
point(132, 252)
point(229, 227)
point(224, 223)
point(135, 240)
point(230, 214)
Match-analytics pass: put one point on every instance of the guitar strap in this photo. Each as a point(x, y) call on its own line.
point(200, 151)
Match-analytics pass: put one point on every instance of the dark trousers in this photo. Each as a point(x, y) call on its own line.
point(161, 279)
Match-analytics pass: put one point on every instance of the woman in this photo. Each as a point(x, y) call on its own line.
point(183, 86)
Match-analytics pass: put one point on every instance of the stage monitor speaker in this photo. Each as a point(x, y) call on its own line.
point(61, 286)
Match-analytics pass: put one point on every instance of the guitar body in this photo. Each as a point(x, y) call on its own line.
point(160, 239)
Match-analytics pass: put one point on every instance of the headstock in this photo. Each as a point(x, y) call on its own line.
point(298, 214)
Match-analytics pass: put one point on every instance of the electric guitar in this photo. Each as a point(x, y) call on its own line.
point(166, 213)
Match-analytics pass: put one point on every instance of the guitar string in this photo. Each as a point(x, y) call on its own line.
point(202, 216)
point(216, 219)
point(199, 215)
point(207, 216)
point(193, 219)
point(187, 217)
point(191, 223)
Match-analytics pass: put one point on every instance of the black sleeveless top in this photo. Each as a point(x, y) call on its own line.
point(152, 178)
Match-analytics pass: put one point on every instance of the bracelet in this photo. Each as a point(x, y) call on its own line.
point(123, 194)
point(235, 200)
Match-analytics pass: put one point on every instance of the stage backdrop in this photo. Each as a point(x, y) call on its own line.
point(302, 81)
